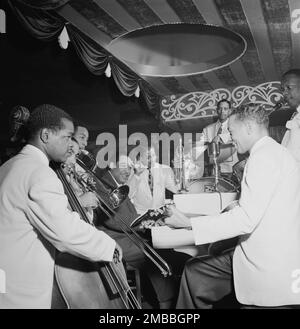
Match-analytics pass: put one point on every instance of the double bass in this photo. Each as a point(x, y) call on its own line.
point(86, 284)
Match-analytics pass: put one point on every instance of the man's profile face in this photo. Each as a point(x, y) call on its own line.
point(223, 111)
point(82, 136)
point(59, 146)
point(290, 87)
point(74, 147)
point(239, 134)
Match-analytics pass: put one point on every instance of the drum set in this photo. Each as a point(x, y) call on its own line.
point(215, 182)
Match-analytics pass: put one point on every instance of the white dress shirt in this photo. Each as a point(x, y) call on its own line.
point(210, 132)
point(34, 218)
point(267, 258)
point(140, 193)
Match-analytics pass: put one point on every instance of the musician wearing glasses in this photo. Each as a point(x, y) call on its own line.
point(218, 133)
point(34, 214)
point(290, 86)
point(262, 268)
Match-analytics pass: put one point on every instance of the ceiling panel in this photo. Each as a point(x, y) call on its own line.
point(265, 25)
point(141, 12)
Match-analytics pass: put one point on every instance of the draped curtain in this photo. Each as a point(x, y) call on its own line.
point(43, 25)
point(39, 18)
point(92, 55)
point(96, 59)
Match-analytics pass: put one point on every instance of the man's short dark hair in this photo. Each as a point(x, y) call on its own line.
point(252, 111)
point(46, 116)
point(222, 101)
point(77, 125)
point(294, 71)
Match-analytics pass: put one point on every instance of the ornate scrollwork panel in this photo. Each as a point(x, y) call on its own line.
point(203, 104)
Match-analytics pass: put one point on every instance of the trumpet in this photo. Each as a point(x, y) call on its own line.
point(89, 182)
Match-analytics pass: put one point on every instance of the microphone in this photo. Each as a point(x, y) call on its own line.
point(214, 149)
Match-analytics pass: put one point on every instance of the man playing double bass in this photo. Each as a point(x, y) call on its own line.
point(34, 215)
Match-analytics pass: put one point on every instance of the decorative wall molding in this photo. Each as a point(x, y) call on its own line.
point(203, 104)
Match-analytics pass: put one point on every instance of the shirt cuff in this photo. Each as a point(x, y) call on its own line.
point(201, 230)
point(110, 249)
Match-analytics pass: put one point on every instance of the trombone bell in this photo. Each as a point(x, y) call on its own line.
point(118, 195)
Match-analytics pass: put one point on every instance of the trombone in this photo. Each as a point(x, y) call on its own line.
point(89, 182)
point(115, 195)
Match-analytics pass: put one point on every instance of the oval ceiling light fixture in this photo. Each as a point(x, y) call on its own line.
point(178, 49)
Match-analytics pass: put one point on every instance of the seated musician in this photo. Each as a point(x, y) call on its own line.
point(150, 180)
point(262, 269)
point(166, 288)
point(218, 132)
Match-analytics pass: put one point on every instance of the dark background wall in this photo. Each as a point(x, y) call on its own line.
point(35, 72)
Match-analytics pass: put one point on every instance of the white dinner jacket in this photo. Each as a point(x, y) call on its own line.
point(34, 217)
point(266, 262)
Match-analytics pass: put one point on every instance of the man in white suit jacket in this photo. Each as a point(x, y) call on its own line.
point(218, 132)
point(34, 215)
point(291, 92)
point(265, 264)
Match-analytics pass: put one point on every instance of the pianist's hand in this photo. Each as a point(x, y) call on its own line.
point(176, 218)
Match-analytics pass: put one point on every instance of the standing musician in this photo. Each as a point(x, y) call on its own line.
point(290, 85)
point(34, 215)
point(263, 267)
point(218, 132)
